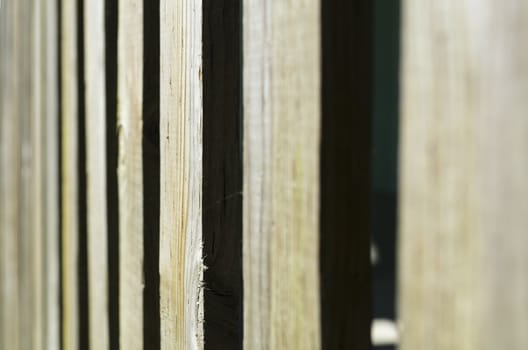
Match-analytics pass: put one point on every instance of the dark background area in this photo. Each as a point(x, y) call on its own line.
point(385, 156)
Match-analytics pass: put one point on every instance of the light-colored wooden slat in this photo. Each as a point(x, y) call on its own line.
point(281, 182)
point(9, 178)
point(24, 160)
point(464, 171)
point(36, 177)
point(51, 177)
point(25, 99)
point(181, 269)
point(130, 173)
point(69, 175)
point(4, 110)
point(95, 123)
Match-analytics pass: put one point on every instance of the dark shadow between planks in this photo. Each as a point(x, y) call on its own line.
point(222, 174)
point(151, 173)
point(345, 174)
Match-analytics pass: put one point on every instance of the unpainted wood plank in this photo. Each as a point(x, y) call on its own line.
point(24, 160)
point(95, 128)
point(181, 269)
point(464, 195)
point(130, 173)
point(37, 176)
point(9, 178)
point(69, 175)
point(281, 182)
point(5, 107)
point(51, 177)
point(25, 100)
point(38, 206)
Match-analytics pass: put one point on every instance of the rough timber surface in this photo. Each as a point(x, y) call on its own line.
point(281, 183)
point(181, 268)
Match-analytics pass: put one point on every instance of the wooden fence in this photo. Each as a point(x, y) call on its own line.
point(196, 174)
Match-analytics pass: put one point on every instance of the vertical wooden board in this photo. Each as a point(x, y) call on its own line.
point(4, 110)
point(464, 196)
point(95, 128)
point(69, 176)
point(24, 268)
point(130, 172)
point(281, 184)
point(181, 294)
point(51, 177)
point(24, 160)
point(37, 175)
point(9, 177)
point(25, 101)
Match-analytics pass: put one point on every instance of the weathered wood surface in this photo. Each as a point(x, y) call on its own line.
point(24, 161)
point(36, 206)
point(181, 268)
point(130, 173)
point(10, 155)
point(69, 175)
point(51, 176)
point(222, 174)
point(29, 297)
point(24, 100)
point(464, 195)
point(281, 182)
point(95, 129)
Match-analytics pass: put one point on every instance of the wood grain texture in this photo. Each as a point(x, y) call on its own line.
point(222, 173)
point(130, 173)
point(69, 176)
point(345, 173)
point(464, 195)
point(281, 166)
point(181, 268)
point(10, 155)
point(95, 129)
